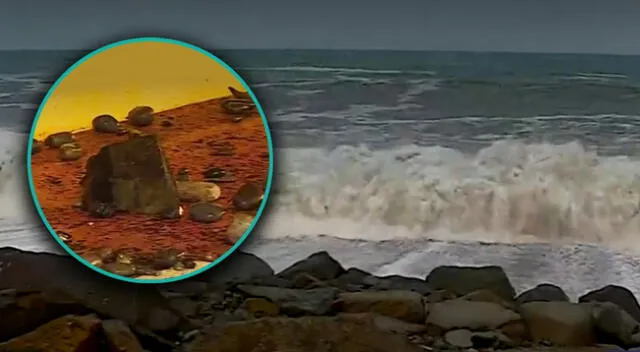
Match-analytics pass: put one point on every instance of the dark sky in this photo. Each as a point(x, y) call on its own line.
point(601, 26)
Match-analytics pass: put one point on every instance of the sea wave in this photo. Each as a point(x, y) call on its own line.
point(510, 191)
point(338, 70)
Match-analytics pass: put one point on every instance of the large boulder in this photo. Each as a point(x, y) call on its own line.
point(543, 293)
point(560, 323)
point(294, 302)
point(131, 176)
point(462, 314)
point(614, 325)
point(340, 334)
point(239, 267)
point(68, 333)
point(319, 265)
point(402, 305)
point(616, 295)
point(461, 280)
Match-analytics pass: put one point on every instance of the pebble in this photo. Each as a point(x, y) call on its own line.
point(206, 212)
point(248, 197)
point(240, 224)
point(58, 139)
point(105, 124)
point(70, 151)
point(141, 116)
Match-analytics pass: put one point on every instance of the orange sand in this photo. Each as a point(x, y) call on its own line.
point(198, 130)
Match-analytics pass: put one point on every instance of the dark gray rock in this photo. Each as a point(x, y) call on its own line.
point(614, 325)
point(397, 282)
point(616, 295)
point(248, 197)
point(58, 139)
point(132, 176)
point(320, 265)
point(543, 293)
point(140, 116)
point(402, 305)
point(294, 302)
point(461, 280)
point(105, 124)
point(240, 267)
point(205, 212)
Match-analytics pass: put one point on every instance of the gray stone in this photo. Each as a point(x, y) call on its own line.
point(616, 295)
point(248, 197)
point(294, 302)
point(70, 152)
point(397, 282)
point(459, 338)
point(206, 212)
point(560, 323)
point(57, 139)
point(105, 124)
point(543, 293)
point(239, 267)
point(402, 305)
point(613, 324)
point(320, 265)
point(461, 314)
point(133, 176)
point(140, 116)
point(462, 280)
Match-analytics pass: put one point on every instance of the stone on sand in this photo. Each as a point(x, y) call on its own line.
point(240, 224)
point(197, 191)
point(141, 116)
point(70, 152)
point(205, 212)
point(105, 124)
point(57, 139)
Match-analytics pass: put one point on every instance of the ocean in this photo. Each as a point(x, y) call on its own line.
point(397, 162)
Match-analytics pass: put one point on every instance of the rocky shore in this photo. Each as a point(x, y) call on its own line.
point(51, 303)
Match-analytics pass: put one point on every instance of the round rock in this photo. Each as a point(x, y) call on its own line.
point(141, 116)
point(205, 212)
point(248, 197)
point(70, 152)
point(105, 124)
point(58, 139)
point(239, 226)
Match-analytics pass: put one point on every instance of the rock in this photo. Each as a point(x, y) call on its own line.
point(301, 334)
point(70, 152)
point(616, 295)
point(240, 224)
point(294, 302)
point(402, 305)
point(320, 265)
point(121, 269)
point(488, 296)
point(248, 197)
point(119, 337)
point(491, 339)
point(57, 139)
point(352, 278)
point(132, 176)
point(36, 146)
point(239, 267)
point(68, 333)
point(196, 191)
point(560, 323)
point(205, 212)
point(543, 293)
point(397, 282)
point(459, 338)
point(614, 325)
point(140, 116)
point(239, 94)
point(260, 307)
point(461, 314)
point(388, 324)
point(462, 280)
point(105, 124)
point(22, 312)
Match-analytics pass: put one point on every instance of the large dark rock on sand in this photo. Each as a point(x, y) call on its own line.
point(340, 334)
point(616, 295)
point(543, 293)
point(614, 325)
point(69, 333)
point(248, 197)
point(319, 265)
point(132, 176)
point(140, 116)
point(105, 124)
point(239, 267)
point(462, 280)
point(58, 139)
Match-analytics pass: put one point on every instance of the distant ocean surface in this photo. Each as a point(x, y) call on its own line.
point(397, 162)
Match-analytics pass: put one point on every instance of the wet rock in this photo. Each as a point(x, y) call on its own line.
point(461, 314)
point(196, 191)
point(616, 295)
point(260, 307)
point(248, 197)
point(459, 338)
point(320, 265)
point(543, 293)
point(206, 212)
point(105, 124)
point(402, 305)
point(133, 176)
point(238, 267)
point(614, 325)
point(301, 334)
point(295, 302)
point(140, 116)
point(462, 280)
point(353, 277)
point(240, 224)
point(560, 323)
point(397, 282)
point(58, 139)
point(36, 146)
point(119, 337)
point(70, 152)
point(68, 333)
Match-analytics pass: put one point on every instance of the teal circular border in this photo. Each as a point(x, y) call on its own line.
point(269, 175)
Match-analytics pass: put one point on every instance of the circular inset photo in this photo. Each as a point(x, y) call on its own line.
point(150, 160)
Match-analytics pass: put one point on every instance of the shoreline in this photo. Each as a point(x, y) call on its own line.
point(453, 308)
